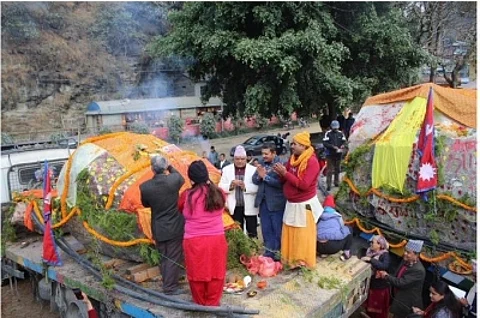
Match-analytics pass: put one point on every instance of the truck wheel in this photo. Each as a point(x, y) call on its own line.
point(57, 302)
point(76, 309)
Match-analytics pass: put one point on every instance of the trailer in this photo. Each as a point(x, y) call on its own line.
point(334, 289)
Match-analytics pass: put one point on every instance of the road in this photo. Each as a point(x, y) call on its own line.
point(223, 145)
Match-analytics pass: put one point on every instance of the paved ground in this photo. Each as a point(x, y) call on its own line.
point(225, 144)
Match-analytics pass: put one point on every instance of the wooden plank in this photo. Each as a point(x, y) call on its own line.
point(114, 263)
point(142, 276)
point(137, 268)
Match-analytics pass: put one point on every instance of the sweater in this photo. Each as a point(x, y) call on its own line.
point(300, 190)
point(330, 227)
point(198, 221)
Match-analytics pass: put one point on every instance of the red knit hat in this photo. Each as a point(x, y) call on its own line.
point(329, 201)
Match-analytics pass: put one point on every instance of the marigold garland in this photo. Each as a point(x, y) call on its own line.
point(405, 200)
point(115, 185)
point(63, 199)
point(112, 242)
point(423, 257)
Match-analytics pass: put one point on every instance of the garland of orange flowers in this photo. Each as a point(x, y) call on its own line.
point(405, 200)
point(112, 242)
point(115, 185)
point(63, 199)
point(423, 257)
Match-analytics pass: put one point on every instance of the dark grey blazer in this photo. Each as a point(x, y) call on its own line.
point(408, 289)
point(270, 188)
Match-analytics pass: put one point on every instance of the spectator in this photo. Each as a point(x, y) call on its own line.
point(341, 121)
point(250, 157)
point(348, 124)
point(204, 240)
point(222, 162)
point(270, 200)
point(92, 312)
point(378, 301)
point(302, 210)
point(236, 180)
point(334, 141)
point(408, 281)
point(213, 156)
point(443, 304)
point(332, 234)
point(161, 195)
point(255, 162)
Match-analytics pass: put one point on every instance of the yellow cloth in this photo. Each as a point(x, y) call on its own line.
point(394, 147)
point(459, 104)
point(299, 244)
point(303, 138)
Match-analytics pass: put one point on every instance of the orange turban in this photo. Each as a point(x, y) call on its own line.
point(303, 138)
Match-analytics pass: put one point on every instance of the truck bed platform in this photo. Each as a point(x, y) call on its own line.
point(292, 293)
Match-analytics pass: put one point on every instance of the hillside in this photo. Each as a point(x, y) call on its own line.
point(59, 56)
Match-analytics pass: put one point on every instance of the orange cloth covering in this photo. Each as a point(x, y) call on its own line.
point(145, 217)
point(299, 244)
point(458, 104)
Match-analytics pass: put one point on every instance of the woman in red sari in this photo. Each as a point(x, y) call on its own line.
point(204, 242)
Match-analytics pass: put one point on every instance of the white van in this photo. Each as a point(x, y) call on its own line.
point(20, 161)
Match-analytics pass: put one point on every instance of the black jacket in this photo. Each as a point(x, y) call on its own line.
point(333, 138)
point(380, 264)
point(408, 289)
point(220, 166)
point(161, 195)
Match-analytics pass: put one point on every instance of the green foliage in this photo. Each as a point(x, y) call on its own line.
point(7, 139)
point(356, 158)
point(175, 128)
point(58, 136)
point(18, 23)
point(262, 121)
point(104, 130)
point(140, 128)
point(208, 125)
point(94, 255)
point(258, 56)
point(149, 254)
point(239, 244)
point(8, 230)
point(264, 58)
point(440, 142)
point(434, 238)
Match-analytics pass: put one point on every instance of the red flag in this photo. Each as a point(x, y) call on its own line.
point(50, 253)
point(427, 173)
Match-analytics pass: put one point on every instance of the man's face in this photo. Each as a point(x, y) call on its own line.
point(222, 157)
point(240, 162)
point(410, 256)
point(297, 148)
point(268, 155)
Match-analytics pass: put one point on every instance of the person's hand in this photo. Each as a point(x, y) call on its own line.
point(280, 169)
point(241, 184)
point(382, 274)
point(87, 301)
point(418, 311)
point(464, 302)
point(262, 172)
point(366, 259)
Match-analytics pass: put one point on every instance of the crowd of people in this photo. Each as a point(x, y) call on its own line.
point(295, 226)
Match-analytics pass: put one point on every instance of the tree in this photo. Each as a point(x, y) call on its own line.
point(440, 28)
point(383, 55)
point(175, 128)
point(260, 57)
point(208, 125)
